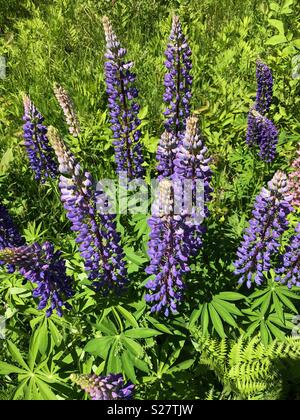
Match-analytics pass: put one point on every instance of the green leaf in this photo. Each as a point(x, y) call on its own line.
point(182, 366)
point(278, 24)
point(276, 331)
point(133, 346)
point(128, 367)
point(204, 318)
point(45, 390)
point(55, 334)
point(128, 316)
point(278, 308)
point(216, 320)
point(142, 333)
point(287, 302)
point(224, 314)
point(7, 369)
point(100, 346)
point(113, 362)
point(231, 296)
point(16, 355)
point(276, 40)
point(6, 160)
point(264, 333)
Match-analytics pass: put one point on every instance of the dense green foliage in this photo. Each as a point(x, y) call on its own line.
point(234, 343)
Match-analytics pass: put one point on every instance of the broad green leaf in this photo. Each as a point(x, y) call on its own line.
point(133, 346)
point(231, 296)
point(100, 346)
point(128, 316)
point(275, 331)
point(7, 369)
point(113, 362)
point(278, 24)
point(142, 333)
point(225, 316)
point(16, 355)
point(45, 390)
point(278, 308)
point(216, 320)
point(265, 335)
point(204, 318)
point(128, 367)
point(276, 40)
point(230, 307)
point(182, 366)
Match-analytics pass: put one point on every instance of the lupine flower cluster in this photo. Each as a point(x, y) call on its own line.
point(165, 156)
point(262, 131)
point(39, 151)
point(123, 106)
point(289, 271)
point(168, 252)
point(265, 84)
point(45, 268)
point(9, 234)
point(99, 242)
point(261, 239)
point(111, 387)
point(67, 106)
point(178, 80)
point(192, 171)
point(294, 180)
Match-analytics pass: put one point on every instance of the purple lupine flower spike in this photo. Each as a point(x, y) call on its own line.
point(265, 83)
point(67, 106)
point(9, 234)
point(166, 153)
point(289, 270)
point(98, 239)
point(168, 253)
point(39, 151)
point(294, 180)
point(45, 268)
point(192, 170)
point(262, 131)
point(262, 238)
point(178, 81)
point(110, 387)
point(123, 107)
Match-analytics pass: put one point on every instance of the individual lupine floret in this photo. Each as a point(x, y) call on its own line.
point(168, 253)
point(265, 83)
point(261, 240)
point(97, 237)
point(289, 270)
point(67, 106)
point(45, 268)
point(110, 387)
point(39, 151)
point(165, 156)
point(123, 107)
point(294, 180)
point(178, 81)
point(9, 234)
point(262, 131)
